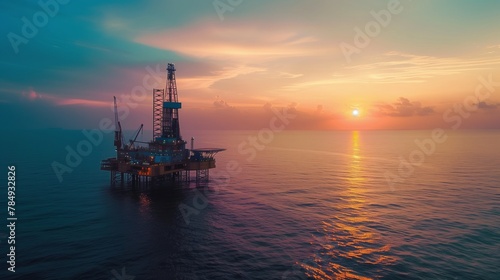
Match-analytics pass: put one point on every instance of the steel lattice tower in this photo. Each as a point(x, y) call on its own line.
point(171, 106)
point(158, 99)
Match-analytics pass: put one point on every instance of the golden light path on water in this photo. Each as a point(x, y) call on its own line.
point(348, 241)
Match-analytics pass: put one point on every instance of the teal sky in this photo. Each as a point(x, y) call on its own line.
point(233, 66)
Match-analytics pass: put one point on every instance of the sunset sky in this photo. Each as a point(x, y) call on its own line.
point(237, 59)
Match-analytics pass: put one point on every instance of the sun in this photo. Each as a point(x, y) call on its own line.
point(355, 112)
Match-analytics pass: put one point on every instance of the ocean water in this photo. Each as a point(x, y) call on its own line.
point(303, 205)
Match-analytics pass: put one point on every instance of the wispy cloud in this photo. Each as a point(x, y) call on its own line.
point(290, 75)
point(206, 81)
point(33, 96)
point(81, 102)
point(493, 46)
point(400, 67)
point(395, 67)
point(239, 41)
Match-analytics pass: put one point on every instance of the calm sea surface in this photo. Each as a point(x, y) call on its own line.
point(309, 205)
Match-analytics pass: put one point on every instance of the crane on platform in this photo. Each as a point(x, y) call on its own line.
point(131, 146)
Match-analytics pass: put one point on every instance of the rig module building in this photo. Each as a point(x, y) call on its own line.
point(165, 158)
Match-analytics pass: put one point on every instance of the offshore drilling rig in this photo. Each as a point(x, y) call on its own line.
point(165, 158)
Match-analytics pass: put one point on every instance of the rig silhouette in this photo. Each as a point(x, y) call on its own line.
point(165, 158)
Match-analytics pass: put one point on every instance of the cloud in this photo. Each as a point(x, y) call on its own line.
point(239, 41)
point(219, 103)
point(398, 68)
point(493, 47)
point(290, 75)
point(82, 102)
point(403, 108)
point(207, 81)
point(485, 106)
point(403, 68)
point(33, 96)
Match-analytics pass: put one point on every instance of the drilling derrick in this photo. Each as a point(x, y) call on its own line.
point(167, 143)
point(171, 107)
point(118, 129)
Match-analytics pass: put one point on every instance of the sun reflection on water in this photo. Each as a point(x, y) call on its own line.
point(348, 244)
